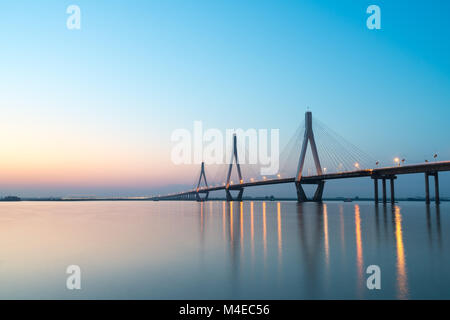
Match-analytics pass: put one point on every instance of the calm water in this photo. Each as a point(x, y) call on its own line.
point(216, 250)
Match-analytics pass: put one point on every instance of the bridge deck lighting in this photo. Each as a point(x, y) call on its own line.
point(397, 160)
point(279, 175)
point(242, 181)
point(356, 165)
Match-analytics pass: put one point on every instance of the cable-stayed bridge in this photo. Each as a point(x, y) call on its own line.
point(343, 160)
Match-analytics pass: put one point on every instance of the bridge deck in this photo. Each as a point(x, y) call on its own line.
point(378, 172)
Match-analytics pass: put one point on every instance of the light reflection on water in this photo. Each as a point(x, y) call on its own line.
point(220, 250)
point(401, 263)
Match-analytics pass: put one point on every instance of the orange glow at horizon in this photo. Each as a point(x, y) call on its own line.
point(73, 159)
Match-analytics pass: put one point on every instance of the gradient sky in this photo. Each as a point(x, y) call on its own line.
point(91, 111)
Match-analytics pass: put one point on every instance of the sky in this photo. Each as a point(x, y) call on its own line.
point(91, 111)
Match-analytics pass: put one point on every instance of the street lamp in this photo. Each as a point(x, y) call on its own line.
point(397, 161)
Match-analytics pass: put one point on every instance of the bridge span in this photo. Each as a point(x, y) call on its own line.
point(384, 174)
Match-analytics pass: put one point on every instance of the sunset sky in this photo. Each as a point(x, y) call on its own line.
point(91, 111)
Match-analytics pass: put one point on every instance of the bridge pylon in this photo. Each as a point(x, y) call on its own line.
point(309, 137)
point(198, 190)
point(229, 186)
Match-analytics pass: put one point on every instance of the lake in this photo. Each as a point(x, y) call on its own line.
point(220, 250)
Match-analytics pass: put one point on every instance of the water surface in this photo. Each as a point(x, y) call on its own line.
point(219, 250)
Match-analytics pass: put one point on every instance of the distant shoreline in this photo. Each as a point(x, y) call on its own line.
point(210, 199)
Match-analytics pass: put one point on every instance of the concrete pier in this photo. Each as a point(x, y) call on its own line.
point(392, 190)
point(436, 188)
point(375, 185)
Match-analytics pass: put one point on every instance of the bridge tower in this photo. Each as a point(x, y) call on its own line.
point(309, 137)
point(229, 186)
point(198, 191)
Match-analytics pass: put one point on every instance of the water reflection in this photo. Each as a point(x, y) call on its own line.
point(438, 226)
point(385, 223)
point(231, 223)
point(402, 285)
point(252, 232)
point(430, 227)
point(280, 239)
point(264, 232)
point(310, 241)
point(377, 223)
point(201, 220)
point(241, 224)
point(325, 230)
point(342, 228)
point(264, 236)
point(359, 248)
point(220, 250)
point(224, 210)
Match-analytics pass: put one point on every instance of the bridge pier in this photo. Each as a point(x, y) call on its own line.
point(436, 187)
point(202, 175)
point(375, 185)
point(392, 190)
point(383, 181)
point(200, 199)
point(230, 196)
point(427, 189)
point(301, 195)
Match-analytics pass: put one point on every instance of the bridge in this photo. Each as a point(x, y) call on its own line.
point(201, 193)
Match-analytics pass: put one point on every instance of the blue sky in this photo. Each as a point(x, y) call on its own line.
point(137, 70)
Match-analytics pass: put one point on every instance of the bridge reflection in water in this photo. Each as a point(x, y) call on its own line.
point(310, 249)
point(227, 250)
